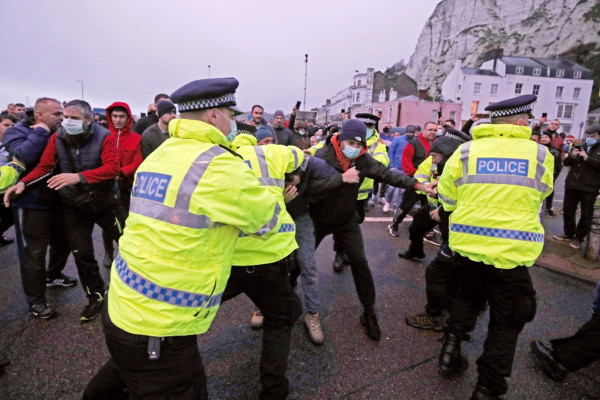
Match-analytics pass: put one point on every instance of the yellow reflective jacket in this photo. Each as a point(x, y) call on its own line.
point(379, 152)
point(190, 199)
point(9, 175)
point(494, 185)
point(270, 163)
point(427, 173)
point(243, 139)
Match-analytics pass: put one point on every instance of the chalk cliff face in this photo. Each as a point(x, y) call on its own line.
point(465, 29)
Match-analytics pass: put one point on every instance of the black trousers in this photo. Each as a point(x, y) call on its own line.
point(35, 231)
point(550, 197)
point(349, 237)
point(581, 349)
point(6, 219)
point(409, 199)
point(441, 285)
point(511, 299)
point(573, 197)
point(421, 224)
point(79, 228)
point(268, 286)
point(177, 374)
point(107, 236)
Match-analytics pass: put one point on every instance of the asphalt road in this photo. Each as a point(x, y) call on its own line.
point(55, 359)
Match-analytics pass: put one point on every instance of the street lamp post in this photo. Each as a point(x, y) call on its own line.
point(305, 77)
point(81, 80)
point(209, 70)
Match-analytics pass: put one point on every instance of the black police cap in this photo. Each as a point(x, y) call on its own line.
point(206, 93)
point(517, 105)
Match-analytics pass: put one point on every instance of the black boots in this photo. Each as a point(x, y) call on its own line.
point(369, 320)
point(451, 361)
point(545, 359)
point(483, 393)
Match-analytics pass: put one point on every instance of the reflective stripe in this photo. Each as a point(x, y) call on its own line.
point(154, 291)
point(446, 200)
point(262, 161)
point(193, 176)
point(175, 216)
point(380, 153)
point(295, 153)
point(422, 176)
point(364, 190)
point(498, 233)
point(373, 148)
point(272, 182)
point(534, 183)
point(305, 163)
point(282, 229)
point(268, 227)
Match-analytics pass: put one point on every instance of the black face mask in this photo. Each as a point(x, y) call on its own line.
point(386, 130)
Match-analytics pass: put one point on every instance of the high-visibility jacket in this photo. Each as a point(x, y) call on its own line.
point(9, 175)
point(190, 199)
point(427, 173)
point(270, 163)
point(494, 185)
point(243, 139)
point(377, 149)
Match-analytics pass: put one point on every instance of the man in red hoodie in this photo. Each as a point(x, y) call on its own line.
point(120, 121)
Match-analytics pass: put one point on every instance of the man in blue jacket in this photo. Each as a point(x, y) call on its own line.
point(38, 221)
point(395, 155)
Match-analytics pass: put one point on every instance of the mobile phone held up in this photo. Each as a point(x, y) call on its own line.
point(544, 115)
point(298, 104)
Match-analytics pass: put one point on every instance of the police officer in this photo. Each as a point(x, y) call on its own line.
point(191, 197)
point(494, 185)
point(261, 269)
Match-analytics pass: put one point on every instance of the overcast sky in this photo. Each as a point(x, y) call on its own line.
point(131, 50)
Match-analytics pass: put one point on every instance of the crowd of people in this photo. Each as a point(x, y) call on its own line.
point(205, 206)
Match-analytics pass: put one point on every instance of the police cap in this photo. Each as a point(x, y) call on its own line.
point(207, 93)
point(517, 105)
point(367, 119)
point(247, 129)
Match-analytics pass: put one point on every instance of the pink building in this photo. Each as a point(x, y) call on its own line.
point(410, 110)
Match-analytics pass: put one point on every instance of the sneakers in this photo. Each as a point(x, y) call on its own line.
point(550, 212)
point(338, 263)
point(5, 240)
point(314, 328)
point(92, 310)
point(433, 238)
point(42, 311)
point(61, 280)
point(369, 320)
point(386, 207)
point(393, 230)
point(575, 243)
point(425, 321)
point(371, 202)
point(382, 200)
point(563, 238)
point(108, 260)
point(256, 322)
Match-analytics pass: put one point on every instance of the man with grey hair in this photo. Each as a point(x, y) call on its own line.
point(85, 155)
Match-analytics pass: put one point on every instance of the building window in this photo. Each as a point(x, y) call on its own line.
point(358, 95)
point(452, 114)
point(559, 90)
point(494, 89)
point(536, 90)
point(518, 88)
point(537, 71)
point(566, 128)
point(577, 74)
point(434, 115)
point(474, 107)
point(565, 111)
point(459, 87)
point(576, 92)
point(477, 88)
point(519, 70)
point(359, 82)
point(560, 73)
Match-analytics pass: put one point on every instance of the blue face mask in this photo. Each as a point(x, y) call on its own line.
point(232, 129)
point(73, 126)
point(369, 132)
point(351, 152)
point(591, 141)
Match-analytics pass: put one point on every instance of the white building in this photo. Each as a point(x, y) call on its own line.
point(563, 88)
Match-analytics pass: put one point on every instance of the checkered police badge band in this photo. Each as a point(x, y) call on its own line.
point(366, 120)
point(225, 100)
point(510, 111)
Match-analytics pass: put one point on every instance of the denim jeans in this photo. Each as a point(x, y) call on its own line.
point(305, 237)
point(389, 195)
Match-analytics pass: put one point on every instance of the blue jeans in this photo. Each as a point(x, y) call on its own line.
point(305, 237)
point(389, 195)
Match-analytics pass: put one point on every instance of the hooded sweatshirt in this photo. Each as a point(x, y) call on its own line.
point(128, 143)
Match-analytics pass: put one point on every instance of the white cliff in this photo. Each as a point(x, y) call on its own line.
point(465, 29)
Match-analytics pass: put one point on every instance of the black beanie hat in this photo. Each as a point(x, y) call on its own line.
point(444, 146)
point(163, 107)
point(354, 129)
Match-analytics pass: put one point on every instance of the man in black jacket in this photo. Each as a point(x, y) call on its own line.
point(152, 118)
point(581, 186)
point(337, 213)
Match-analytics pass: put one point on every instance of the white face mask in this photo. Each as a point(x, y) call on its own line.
point(302, 132)
point(72, 126)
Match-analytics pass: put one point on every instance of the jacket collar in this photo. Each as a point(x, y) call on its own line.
point(501, 130)
point(197, 130)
